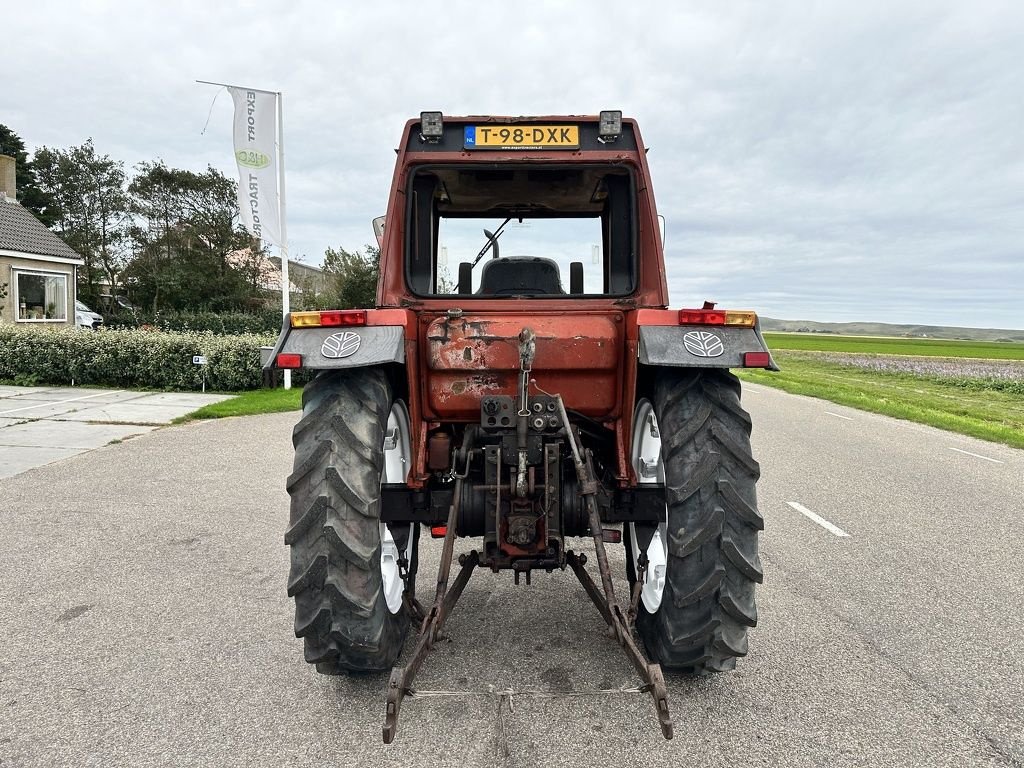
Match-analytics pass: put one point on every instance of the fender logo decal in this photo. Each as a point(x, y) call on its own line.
point(703, 344)
point(339, 345)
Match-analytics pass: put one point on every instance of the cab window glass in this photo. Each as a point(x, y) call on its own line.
point(521, 231)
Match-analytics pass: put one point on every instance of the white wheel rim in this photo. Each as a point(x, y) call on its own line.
point(397, 452)
point(645, 454)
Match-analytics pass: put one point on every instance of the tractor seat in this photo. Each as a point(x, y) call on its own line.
point(513, 275)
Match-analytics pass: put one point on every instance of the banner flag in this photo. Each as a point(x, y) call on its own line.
point(255, 134)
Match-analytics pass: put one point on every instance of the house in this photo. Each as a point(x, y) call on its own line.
point(303, 278)
point(37, 269)
point(265, 273)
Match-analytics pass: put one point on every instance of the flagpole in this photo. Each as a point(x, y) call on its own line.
point(281, 207)
point(229, 85)
point(282, 215)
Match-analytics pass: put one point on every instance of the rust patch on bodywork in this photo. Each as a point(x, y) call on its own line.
point(577, 355)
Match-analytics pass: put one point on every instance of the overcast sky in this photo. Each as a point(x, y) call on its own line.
point(823, 161)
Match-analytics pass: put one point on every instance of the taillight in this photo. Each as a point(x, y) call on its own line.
point(757, 360)
point(346, 317)
point(331, 318)
point(305, 319)
point(286, 360)
point(743, 319)
point(701, 317)
point(733, 317)
point(438, 531)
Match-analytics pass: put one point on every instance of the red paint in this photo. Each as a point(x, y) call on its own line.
point(391, 317)
point(655, 317)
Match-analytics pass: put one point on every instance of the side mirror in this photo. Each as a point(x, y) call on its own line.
point(661, 228)
point(378, 230)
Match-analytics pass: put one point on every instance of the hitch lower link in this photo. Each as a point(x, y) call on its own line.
point(619, 619)
point(400, 682)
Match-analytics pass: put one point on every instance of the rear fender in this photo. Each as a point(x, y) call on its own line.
point(662, 341)
point(381, 340)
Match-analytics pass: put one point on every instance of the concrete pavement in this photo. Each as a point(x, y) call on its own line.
point(146, 621)
point(39, 425)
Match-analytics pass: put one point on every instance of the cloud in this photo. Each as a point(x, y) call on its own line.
point(827, 161)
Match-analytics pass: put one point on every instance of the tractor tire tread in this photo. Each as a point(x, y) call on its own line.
point(710, 476)
point(334, 531)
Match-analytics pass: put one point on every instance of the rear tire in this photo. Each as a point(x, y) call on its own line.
point(335, 535)
point(713, 565)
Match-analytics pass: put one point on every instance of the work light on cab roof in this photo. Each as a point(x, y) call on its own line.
point(610, 126)
point(431, 126)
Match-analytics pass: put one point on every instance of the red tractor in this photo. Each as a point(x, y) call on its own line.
point(522, 382)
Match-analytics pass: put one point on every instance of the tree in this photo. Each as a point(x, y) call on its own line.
point(185, 232)
point(352, 277)
point(30, 194)
point(91, 210)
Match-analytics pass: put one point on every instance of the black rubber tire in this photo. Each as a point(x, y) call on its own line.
point(334, 535)
point(713, 522)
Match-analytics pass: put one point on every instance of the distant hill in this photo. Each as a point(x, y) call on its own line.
point(890, 329)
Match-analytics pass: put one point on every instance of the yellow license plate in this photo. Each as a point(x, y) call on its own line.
point(522, 137)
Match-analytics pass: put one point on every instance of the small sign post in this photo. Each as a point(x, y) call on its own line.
point(201, 360)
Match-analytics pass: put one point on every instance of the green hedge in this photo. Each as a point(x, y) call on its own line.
point(265, 321)
point(133, 359)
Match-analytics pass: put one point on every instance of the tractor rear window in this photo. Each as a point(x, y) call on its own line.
point(521, 231)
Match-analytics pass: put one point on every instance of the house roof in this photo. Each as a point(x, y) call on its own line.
point(23, 232)
point(297, 266)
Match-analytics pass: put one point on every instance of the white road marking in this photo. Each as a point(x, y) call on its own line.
point(818, 519)
point(976, 455)
point(839, 416)
point(61, 402)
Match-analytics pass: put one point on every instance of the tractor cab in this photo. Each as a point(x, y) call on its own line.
point(548, 210)
point(496, 225)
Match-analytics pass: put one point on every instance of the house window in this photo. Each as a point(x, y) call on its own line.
point(41, 296)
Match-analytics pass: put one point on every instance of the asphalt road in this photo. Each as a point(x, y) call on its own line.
point(144, 619)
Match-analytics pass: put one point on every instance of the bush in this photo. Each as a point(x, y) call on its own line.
point(133, 359)
point(264, 321)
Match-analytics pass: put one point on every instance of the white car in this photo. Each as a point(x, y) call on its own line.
point(86, 318)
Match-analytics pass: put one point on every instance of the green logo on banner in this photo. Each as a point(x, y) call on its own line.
point(252, 159)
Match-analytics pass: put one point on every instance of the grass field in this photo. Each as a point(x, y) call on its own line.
point(944, 396)
point(826, 342)
point(250, 404)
